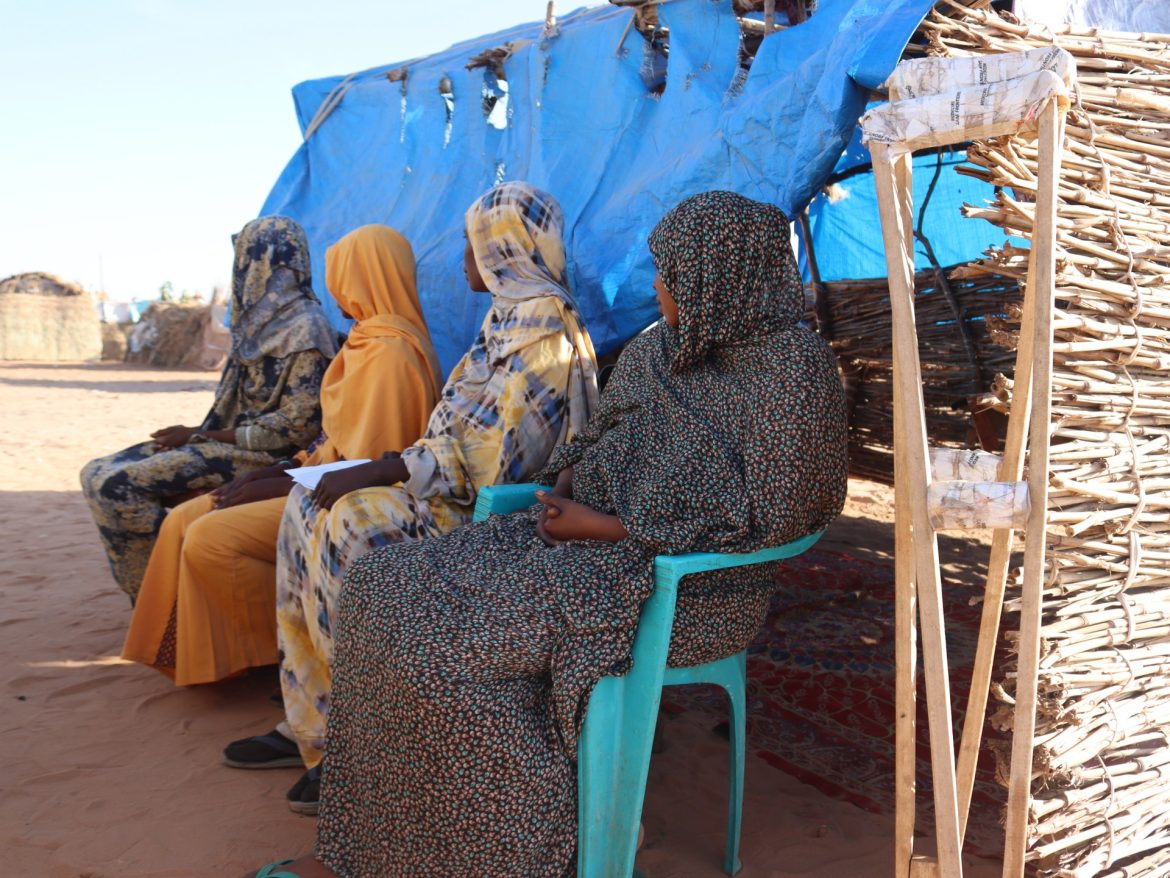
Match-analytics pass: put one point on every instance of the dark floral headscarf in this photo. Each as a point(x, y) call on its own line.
point(275, 312)
point(274, 317)
point(728, 264)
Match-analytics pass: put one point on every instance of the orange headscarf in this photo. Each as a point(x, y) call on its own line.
point(378, 392)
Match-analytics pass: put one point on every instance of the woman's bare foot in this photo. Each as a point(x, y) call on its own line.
point(307, 867)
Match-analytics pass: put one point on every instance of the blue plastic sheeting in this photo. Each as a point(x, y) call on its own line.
point(582, 125)
point(847, 238)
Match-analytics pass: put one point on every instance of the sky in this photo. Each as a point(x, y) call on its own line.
point(137, 135)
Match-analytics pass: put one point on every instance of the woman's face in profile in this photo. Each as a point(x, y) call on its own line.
point(471, 270)
point(666, 303)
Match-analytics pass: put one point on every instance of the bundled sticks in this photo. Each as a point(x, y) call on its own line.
point(1101, 767)
point(860, 316)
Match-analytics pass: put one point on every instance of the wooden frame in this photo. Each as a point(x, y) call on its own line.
point(918, 581)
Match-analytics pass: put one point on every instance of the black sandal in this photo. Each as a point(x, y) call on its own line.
point(304, 797)
point(273, 750)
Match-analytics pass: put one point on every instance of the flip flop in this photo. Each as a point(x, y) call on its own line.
point(273, 750)
point(267, 871)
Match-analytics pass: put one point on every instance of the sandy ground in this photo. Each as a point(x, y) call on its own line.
point(111, 772)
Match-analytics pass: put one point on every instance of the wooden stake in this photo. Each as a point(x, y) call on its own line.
point(923, 867)
point(1010, 470)
point(1024, 720)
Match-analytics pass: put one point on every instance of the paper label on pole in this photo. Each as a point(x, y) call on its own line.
point(951, 464)
point(976, 505)
point(923, 77)
point(972, 113)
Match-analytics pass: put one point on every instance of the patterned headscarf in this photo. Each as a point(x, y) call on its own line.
point(275, 313)
point(724, 300)
point(517, 234)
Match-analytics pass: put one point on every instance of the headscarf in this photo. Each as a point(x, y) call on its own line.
point(516, 233)
point(720, 300)
point(275, 313)
point(725, 435)
point(274, 316)
point(379, 391)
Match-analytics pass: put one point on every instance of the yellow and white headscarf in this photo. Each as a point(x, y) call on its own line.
point(516, 232)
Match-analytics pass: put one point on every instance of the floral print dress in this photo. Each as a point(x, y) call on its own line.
point(464, 664)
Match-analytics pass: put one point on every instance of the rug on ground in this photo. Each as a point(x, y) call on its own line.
point(821, 688)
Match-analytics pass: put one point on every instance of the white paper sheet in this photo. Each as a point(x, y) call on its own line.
point(309, 476)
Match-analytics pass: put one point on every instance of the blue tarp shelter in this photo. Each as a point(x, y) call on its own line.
point(414, 152)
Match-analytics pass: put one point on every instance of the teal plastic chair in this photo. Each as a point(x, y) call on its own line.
point(613, 758)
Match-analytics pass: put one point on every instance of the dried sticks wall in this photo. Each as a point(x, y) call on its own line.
point(860, 320)
point(1102, 758)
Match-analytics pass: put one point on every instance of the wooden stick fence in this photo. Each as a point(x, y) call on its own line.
point(859, 313)
point(1099, 768)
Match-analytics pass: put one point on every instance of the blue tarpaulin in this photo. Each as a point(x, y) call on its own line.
point(582, 124)
point(846, 234)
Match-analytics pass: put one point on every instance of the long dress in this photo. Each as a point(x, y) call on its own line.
point(463, 664)
point(207, 608)
point(129, 491)
point(268, 393)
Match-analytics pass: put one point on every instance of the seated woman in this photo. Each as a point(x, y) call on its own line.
point(463, 664)
point(527, 384)
point(266, 404)
point(207, 608)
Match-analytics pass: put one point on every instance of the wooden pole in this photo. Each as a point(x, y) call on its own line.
point(905, 642)
point(893, 177)
point(1024, 721)
point(1010, 470)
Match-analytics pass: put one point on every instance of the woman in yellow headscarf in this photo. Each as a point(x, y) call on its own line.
point(207, 608)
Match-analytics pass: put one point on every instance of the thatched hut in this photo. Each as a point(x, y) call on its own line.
point(180, 334)
point(47, 319)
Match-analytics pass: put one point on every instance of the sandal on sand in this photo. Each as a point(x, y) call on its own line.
point(267, 871)
point(304, 797)
point(273, 750)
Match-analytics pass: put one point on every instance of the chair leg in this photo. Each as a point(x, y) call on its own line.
point(613, 763)
point(737, 696)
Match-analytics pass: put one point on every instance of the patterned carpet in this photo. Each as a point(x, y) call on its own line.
point(821, 688)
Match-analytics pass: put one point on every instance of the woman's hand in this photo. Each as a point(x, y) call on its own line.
point(335, 485)
point(563, 519)
point(562, 488)
point(564, 484)
point(253, 491)
point(221, 496)
point(173, 437)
